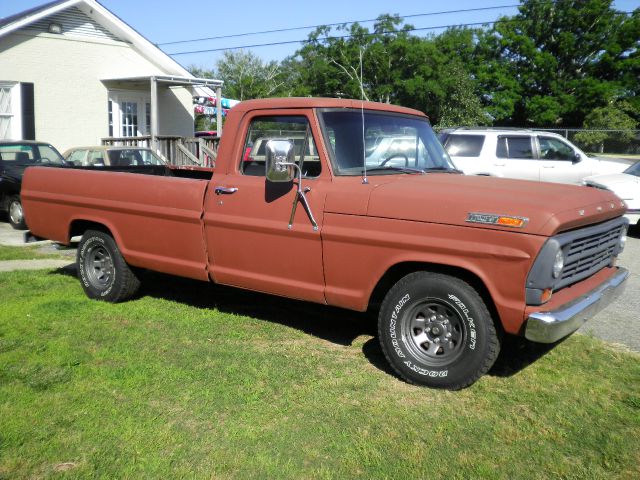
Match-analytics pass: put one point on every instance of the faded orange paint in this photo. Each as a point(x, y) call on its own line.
point(181, 226)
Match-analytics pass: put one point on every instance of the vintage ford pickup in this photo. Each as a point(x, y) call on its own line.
point(356, 205)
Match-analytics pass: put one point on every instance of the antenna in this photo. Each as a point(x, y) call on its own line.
point(365, 180)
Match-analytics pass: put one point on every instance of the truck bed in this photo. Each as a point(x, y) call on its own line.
point(154, 212)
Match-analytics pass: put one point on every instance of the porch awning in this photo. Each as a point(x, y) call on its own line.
point(208, 85)
point(169, 80)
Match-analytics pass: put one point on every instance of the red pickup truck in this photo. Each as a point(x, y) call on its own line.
point(356, 205)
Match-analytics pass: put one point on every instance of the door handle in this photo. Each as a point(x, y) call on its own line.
point(499, 164)
point(225, 190)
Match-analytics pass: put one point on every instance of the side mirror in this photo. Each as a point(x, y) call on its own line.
point(279, 162)
point(577, 158)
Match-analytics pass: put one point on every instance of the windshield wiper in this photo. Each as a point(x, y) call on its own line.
point(395, 169)
point(443, 170)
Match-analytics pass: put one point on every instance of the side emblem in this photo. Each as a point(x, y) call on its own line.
point(496, 219)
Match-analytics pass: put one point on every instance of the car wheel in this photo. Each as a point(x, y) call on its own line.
point(16, 214)
point(103, 271)
point(435, 330)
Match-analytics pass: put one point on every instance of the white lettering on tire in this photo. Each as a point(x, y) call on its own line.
point(393, 324)
point(472, 326)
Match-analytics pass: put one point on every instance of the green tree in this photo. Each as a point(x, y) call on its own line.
point(611, 117)
point(247, 76)
point(390, 65)
point(555, 61)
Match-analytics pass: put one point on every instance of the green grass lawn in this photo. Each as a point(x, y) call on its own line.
point(195, 381)
point(24, 253)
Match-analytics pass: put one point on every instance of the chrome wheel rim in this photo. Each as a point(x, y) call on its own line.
point(15, 212)
point(434, 331)
point(98, 267)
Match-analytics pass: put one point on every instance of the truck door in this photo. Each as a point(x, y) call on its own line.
point(247, 218)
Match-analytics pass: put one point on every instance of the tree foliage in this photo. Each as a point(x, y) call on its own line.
point(611, 117)
point(247, 76)
point(556, 61)
point(553, 64)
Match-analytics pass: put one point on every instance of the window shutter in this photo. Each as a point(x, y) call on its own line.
point(28, 112)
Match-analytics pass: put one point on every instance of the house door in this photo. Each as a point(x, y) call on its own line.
point(129, 114)
point(247, 220)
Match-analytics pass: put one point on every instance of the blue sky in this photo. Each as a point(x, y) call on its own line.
point(168, 20)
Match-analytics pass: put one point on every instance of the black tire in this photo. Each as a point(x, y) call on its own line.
point(15, 213)
point(436, 331)
point(102, 270)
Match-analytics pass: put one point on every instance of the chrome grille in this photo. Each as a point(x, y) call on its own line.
point(588, 250)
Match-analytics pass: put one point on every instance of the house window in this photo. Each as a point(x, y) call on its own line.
point(6, 112)
point(148, 117)
point(110, 108)
point(129, 119)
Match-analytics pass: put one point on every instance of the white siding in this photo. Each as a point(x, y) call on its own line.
point(74, 23)
point(70, 99)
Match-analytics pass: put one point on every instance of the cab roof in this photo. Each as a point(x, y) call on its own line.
point(311, 102)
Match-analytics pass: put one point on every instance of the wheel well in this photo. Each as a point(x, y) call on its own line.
point(78, 227)
point(395, 273)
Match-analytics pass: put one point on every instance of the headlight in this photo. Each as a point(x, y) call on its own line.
point(558, 264)
point(623, 240)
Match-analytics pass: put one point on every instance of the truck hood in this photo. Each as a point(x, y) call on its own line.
point(449, 199)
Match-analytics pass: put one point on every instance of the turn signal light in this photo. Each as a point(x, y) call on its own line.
point(511, 221)
point(546, 295)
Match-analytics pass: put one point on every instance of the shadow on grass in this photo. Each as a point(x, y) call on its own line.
point(335, 325)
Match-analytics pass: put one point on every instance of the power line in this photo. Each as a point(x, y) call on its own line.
point(338, 37)
point(289, 42)
point(335, 24)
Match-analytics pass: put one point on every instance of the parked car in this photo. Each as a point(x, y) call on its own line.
point(15, 157)
point(525, 154)
point(625, 185)
point(109, 156)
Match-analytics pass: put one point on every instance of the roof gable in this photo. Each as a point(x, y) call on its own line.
point(74, 23)
point(100, 21)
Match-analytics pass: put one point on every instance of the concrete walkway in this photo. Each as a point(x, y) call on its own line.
point(16, 238)
point(11, 265)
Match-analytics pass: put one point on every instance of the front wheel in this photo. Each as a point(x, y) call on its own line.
point(435, 330)
point(16, 214)
point(103, 271)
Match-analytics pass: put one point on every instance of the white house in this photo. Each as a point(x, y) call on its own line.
point(73, 73)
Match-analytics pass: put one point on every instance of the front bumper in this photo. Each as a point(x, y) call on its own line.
point(549, 327)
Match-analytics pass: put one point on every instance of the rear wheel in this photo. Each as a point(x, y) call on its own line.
point(16, 214)
point(435, 330)
point(103, 271)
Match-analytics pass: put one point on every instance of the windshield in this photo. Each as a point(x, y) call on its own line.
point(634, 169)
point(29, 154)
point(387, 143)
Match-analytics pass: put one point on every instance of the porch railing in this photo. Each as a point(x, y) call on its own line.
point(180, 151)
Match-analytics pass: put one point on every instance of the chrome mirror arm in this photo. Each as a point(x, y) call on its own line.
point(300, 196)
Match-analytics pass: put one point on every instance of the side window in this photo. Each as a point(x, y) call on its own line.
point(514, 147)
point(464, 145)
point(554, 149)
point(296, 129)
point(96, 158)
point(77, 157)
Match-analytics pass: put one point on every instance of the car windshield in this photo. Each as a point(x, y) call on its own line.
point(633, 170)
point(384, 143)
point(29, 154)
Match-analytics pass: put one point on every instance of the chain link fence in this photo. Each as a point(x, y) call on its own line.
point(601, 141)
